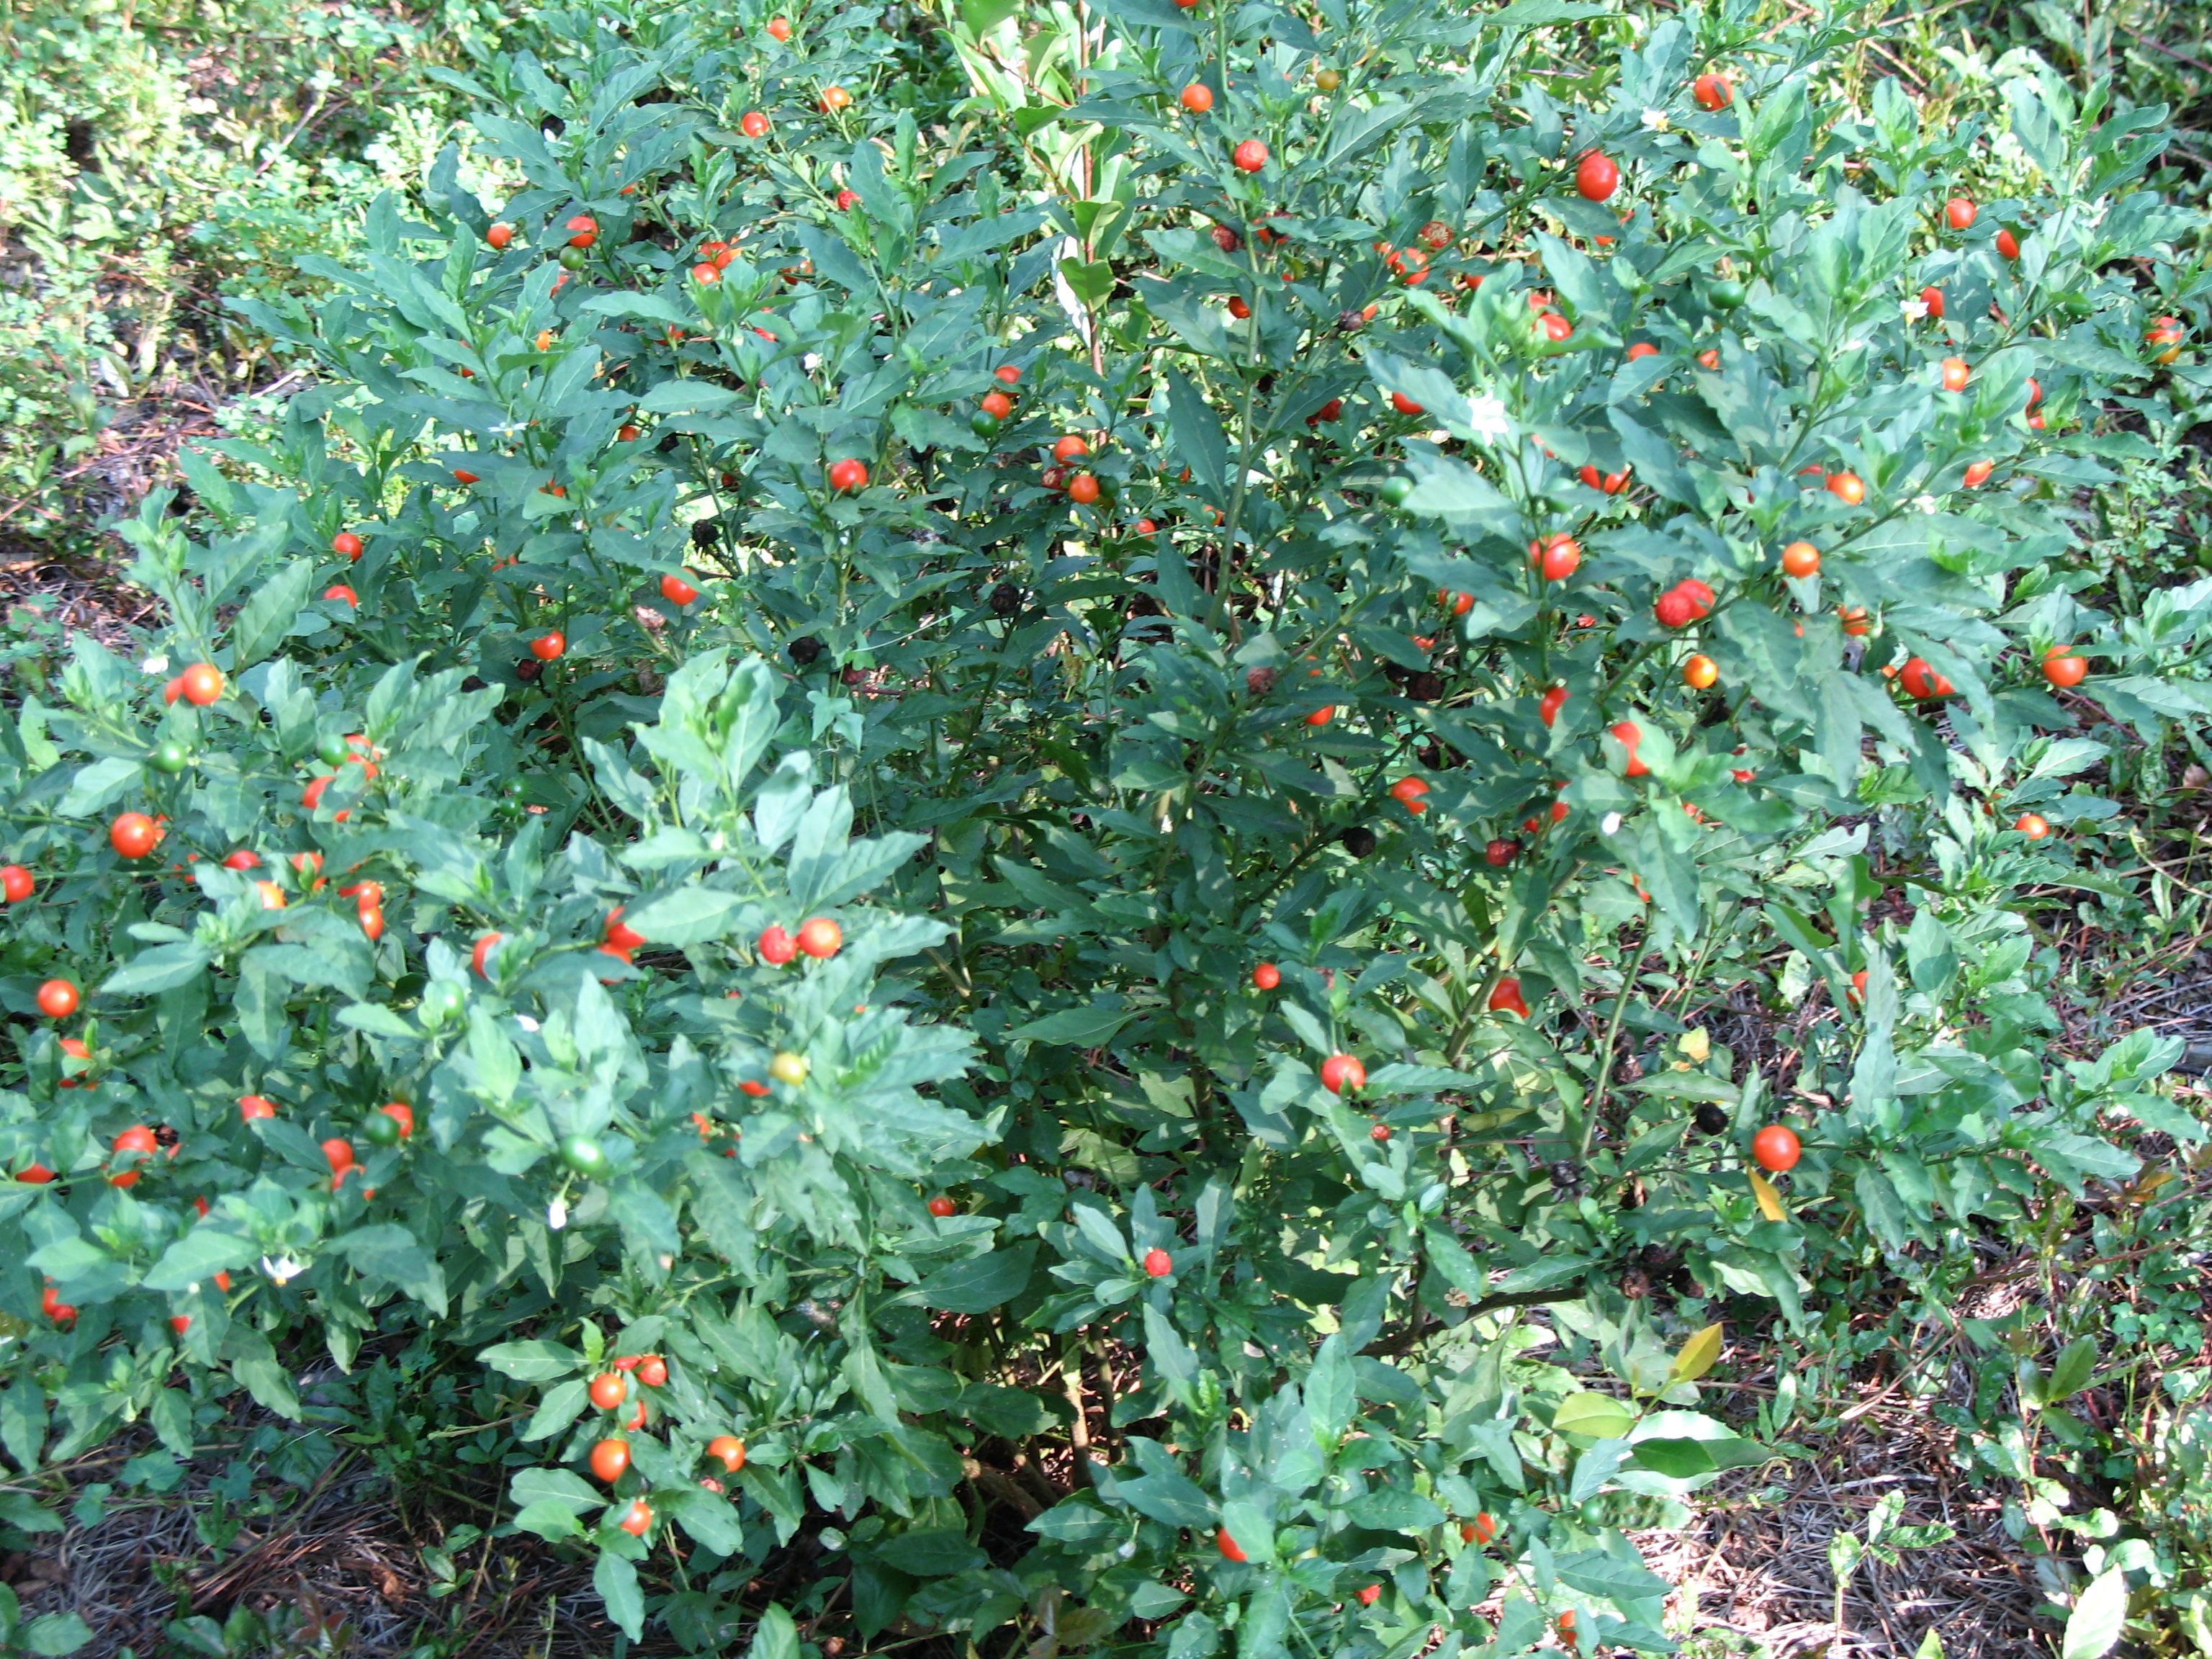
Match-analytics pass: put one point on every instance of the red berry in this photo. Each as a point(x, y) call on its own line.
point(2061, 667)
point(1596, 176)
point(547, 646)
point(346, 545)
point(1342, 1072)
point(775, 946)
point(609, 1457)
point(1158, 1263)
point(58, 998)
point(847, 476)
point(1775, 1148)
point(202, 683)
point(1712, 92)
point(1250, 156)
point(1197, 98)
point(15, 884)
point(1961, 212)
point(941, 1206)
point(677, 591)
point(1267, 976)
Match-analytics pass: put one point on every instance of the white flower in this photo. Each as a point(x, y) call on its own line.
point(1852, 345)
point(1926, 503)
point(1610, 823)
point(1487, 419)
point(1914, 310)
point(1654, 120)
point(525, 1022)
point(812, 360)
point(155, 665)
point(557, 1214)
point(283, 1270)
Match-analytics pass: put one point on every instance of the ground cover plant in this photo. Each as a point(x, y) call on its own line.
point(993, 803)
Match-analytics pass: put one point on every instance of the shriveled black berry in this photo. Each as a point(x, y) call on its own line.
point(1712, 1119)
point(805, 649)
point(474, 683)
point(1565, 1173)
point(1424, 687)
point(1358, 841)
point(1259, 681)
point(1636, 1284)
point(1349, 321)
point(703, 532)
point(166, 1136)
point(1006, 599)
point(528, 669)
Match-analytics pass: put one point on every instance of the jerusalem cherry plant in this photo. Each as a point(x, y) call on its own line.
point(1009, 823)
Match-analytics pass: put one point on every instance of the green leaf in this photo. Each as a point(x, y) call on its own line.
point(1600, 1416)
point(2099, 1616)
point(390, 1251)
point(687, 916)
point(564, 1487)
point(51, 1634)
point(776, 1636)
point(1595, 1573)
point(265, 619)
point(532, 1362)
point(1331, 1394)
point(2071, 1371)
point(25, 1514)
point(1078, 1027)
point(980, 1283)
point(931, 1552)
point(98, 785)
point(615, 1580)
point(1173, 1499)
point(712, 1521)
point(549, 1520)
point(199, 1256)
point(1198, 435)
point(563, 1404)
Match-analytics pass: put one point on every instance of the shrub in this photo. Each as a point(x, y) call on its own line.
point(1269, 683)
